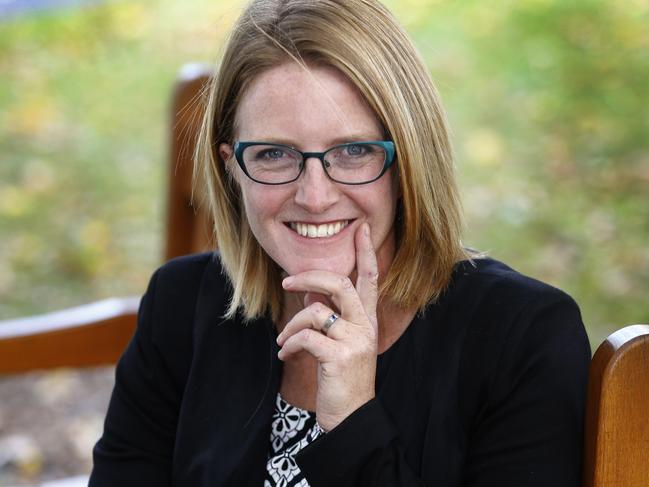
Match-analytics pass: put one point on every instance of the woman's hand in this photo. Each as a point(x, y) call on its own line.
point(347, 354)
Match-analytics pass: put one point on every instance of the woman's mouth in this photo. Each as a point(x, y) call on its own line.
point(322, 230)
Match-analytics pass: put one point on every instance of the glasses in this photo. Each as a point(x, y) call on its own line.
point(353, 163)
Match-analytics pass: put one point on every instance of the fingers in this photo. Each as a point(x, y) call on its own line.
point(312, 317)
point(367, 270)
point(311, 341)
point(356, 304)
point(339, 289)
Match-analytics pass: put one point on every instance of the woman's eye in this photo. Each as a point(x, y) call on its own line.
point(355, 150)
point(271, 154)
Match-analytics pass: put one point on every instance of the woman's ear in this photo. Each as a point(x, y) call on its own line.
point(225, 151)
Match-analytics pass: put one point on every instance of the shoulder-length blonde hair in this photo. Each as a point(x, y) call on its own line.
point(362, 39)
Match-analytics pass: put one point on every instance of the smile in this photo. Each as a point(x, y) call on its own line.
point(324, 230)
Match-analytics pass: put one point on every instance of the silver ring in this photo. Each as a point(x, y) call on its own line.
point(328, 323)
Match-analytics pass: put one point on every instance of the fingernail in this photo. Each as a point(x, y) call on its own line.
point(366, 229)
point(287, 282)
point(279, 339)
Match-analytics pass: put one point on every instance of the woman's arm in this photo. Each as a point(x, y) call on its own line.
point(528, 433)
point(364, 450)
point(139, 432)
point(530, 430)
point(136, 446)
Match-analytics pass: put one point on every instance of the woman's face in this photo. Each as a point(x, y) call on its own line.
point(313, 110)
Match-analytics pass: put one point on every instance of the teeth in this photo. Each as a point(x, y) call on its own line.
point(318, 231)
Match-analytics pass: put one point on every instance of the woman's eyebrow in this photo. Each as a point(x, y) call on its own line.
point(269, 139)
point(359, 137)
point(355, 137)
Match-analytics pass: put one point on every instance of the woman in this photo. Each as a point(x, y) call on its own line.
point(342, 336)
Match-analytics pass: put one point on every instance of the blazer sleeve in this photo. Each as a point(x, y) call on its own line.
point(136, 447)
point(363, 450)
point(528, 432)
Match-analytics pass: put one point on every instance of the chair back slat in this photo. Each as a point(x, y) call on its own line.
point(188, 227)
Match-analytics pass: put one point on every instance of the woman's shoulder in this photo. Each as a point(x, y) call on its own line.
point(486, 285)
point(189, 268)
point(508, 318)
point(181, 290)
point(489, 275)
point(492, 309)
point(183, 279)
point(183, 294)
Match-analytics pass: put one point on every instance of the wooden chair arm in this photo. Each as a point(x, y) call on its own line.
point(617, 414)
point(89, 335)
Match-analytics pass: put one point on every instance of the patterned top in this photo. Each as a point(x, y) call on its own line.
point(292, 429)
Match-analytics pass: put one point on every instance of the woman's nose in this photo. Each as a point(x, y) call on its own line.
point(315, 191)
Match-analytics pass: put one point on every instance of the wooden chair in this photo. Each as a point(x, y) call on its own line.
point(96, 334)
point(617, 426)
point(617, 416)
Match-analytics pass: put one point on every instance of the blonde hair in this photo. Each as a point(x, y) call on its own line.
point(362, 39)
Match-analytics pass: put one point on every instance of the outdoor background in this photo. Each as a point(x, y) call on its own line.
point(548, 101)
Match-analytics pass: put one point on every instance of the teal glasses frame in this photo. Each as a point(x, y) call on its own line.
point(387, 145)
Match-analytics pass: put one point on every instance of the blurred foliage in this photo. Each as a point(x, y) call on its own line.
point(549, 104)
point(547, 99)
point(84, 112)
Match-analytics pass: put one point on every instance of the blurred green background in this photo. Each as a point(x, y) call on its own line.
point(547, 100)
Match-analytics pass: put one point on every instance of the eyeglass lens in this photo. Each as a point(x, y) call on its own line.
point(349, 163)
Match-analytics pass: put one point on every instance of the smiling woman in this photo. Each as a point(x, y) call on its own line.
point(342, 336)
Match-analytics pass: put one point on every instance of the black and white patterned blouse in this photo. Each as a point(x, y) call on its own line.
point(292, 429)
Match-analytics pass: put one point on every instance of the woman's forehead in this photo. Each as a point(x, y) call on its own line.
point(295, 100)
point(295, 83)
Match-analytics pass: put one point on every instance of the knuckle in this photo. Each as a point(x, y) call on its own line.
point(306, 335)
point(346, 283)
point(373, 277)
point(359, 309)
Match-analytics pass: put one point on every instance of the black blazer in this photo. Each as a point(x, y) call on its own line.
point(486, 388)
